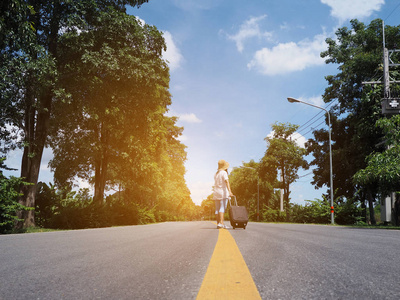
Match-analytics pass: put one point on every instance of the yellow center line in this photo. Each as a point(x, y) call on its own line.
point(227, 274)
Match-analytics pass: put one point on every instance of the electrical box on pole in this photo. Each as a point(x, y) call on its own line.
point(390, 106)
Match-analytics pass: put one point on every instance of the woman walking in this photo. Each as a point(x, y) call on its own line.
point(222, 191)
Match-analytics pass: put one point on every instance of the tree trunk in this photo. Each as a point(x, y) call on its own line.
point(100, 176)
point(286, 194)
point(37, 120)
point(371, 208)
point(287, 205)
point(35, 137)
point(363, 212)
point(101, 167)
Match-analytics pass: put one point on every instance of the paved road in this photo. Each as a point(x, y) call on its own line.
point(289, 261)
point(169, 261)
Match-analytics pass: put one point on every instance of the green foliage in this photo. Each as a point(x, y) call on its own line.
point(356, 107)
point(48, 200)
point(245, 182)
point(67, 209)
point(40, 45)
point(318, 211)
point(272, 215)
point(347, 212)
point(383, 169)
point(146, 216)
point(314, 211)
point(9, 196)
point(283, 155)
point(9, 203)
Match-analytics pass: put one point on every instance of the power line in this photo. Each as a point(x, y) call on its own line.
point(313, 128)
point(305, 128)
point(306, 174)
point(398, 5)
point(319, 113)
point(310, 120)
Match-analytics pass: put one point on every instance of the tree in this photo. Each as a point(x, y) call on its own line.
point(118, 84)
point(356, 108)
point(245, 183)
point(29, 67)
point(282, 155)
point(383, 168)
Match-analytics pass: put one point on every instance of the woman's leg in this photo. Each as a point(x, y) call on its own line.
point(217, 208)
point(222, 210)
point(221, 217)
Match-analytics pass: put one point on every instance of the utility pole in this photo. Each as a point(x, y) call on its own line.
point(281, 200)
point(390, 106)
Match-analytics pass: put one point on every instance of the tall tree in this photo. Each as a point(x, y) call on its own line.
point(282, 156)
point(118, 84)
point(29, 72)
point(358, 53)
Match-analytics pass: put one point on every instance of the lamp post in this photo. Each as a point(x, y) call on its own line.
point(293, 100)
point(258, 192)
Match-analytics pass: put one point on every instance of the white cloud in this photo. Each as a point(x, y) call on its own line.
point(173, 54)
point(271, 134)
point(182, 138)
point(289, 57)
point(141, 21)
point(299, 139)
point(249, 29)
point(189, 118)
point(350, 9)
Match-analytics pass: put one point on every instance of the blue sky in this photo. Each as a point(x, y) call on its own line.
point(233, 64)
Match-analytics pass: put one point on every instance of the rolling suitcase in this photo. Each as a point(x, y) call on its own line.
point(238, 215)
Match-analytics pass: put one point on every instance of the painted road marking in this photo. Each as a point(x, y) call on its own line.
point(227, 274)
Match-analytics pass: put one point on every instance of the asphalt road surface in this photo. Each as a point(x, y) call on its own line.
point(170, 260)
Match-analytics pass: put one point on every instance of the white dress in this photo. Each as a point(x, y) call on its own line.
point(220, 188)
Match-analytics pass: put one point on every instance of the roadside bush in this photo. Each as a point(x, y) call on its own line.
point(347, 212)
point(163, 216)
point(146, 215)
point(72, 212)
point(47, 203)
point(272, 215)
point(9, 205)
point(314, 211)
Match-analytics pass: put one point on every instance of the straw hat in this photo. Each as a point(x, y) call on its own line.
point(223, 165)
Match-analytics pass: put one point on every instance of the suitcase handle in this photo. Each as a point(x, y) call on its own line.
point(230, 201)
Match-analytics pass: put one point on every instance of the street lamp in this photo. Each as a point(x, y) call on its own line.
point(293, 100)
point(258, 192)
